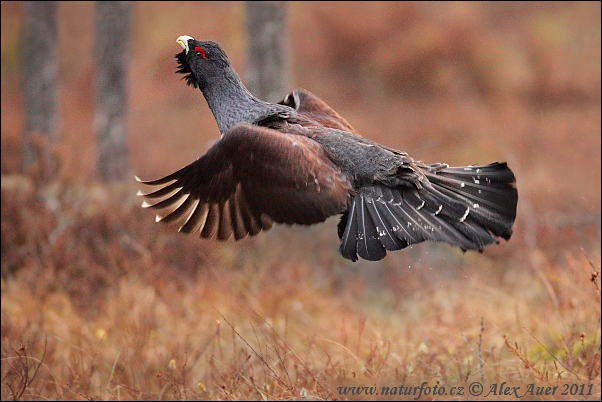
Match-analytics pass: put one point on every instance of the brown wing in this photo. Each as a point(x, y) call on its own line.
point(316, 109)
point(252, 177)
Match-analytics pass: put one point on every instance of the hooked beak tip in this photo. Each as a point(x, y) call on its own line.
point(183, 41)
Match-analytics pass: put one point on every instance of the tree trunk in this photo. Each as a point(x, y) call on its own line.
point(268, 65)
point(40, 68)
point(113, 21)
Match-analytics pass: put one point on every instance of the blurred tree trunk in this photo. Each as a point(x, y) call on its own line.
point(40, 66)
point(268, 65)
point(113, 21)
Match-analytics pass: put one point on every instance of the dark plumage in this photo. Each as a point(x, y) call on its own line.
point(299, 162)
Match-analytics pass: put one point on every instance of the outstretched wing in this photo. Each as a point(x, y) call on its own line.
point(316, 109)
point(252, 177)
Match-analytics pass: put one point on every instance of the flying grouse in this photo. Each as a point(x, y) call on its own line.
point(299, 162)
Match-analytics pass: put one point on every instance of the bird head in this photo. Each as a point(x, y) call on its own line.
point(200, 61)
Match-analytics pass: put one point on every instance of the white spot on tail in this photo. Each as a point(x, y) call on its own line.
point(465, 215)
point(475, 205)
point(420, 207)
point(462, 185)
point(439, 210)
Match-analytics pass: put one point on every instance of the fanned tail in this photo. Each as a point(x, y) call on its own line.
point(468, 207)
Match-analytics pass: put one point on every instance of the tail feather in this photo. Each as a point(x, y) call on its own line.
point(348, 234)
point(397, 224)
point(468, 207)
point(424, 221)
point(491, 189)
point(482, 210)
point(437, 228)
point(369, 246)
point(402, 210)
point(384, 229)
point(407, 207)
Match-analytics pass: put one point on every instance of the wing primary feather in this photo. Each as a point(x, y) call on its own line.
point(251, 224)
point(174, 204)
point(174, 176)
point(163, 191)
point(191, 210)
point(172, 199)
point(238, 223)
point(179, 211)
point(211, 225)
point(225, 223)
point(196, 220)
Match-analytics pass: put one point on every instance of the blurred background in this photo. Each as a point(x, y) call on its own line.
point(87, 270)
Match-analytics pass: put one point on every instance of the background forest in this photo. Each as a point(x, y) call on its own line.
point(100, 302)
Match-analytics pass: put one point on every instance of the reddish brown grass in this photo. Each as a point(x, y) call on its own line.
point(100, 302)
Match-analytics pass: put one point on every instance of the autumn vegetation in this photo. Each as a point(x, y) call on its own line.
point(100, 302)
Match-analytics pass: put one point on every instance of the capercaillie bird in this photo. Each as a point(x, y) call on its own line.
point(299, 162)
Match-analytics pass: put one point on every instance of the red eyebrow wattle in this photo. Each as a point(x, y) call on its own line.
point(200, 50)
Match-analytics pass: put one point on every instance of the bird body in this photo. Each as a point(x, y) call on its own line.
point(300, 162)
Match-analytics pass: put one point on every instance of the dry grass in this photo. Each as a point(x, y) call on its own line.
point(99, 302)
point(106, 305)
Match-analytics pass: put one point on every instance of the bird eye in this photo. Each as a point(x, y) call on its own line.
point(200, 53)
